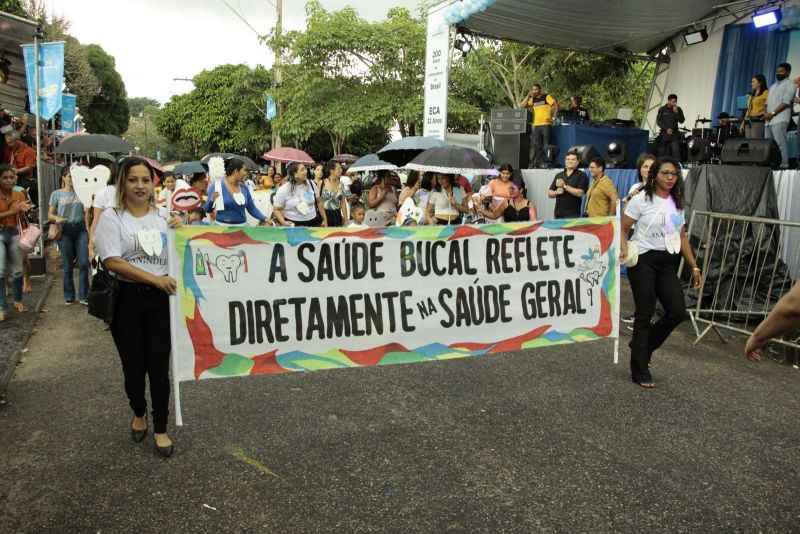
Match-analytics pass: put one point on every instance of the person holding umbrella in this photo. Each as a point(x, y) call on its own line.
point(447, 203)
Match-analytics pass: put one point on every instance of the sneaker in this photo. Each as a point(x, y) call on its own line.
point(628, 318)
point(84, 302)
point(69, 302)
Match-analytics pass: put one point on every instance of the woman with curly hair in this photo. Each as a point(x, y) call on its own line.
point(659, 220)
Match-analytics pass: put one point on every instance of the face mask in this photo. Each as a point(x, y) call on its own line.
point(780, 77)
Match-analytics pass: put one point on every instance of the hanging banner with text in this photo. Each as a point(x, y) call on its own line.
point(68, 110)
point(261, 300)
point(437, 69)
point(51, 77)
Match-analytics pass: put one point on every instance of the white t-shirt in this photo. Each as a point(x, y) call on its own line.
point(354, 225)
point(105, 198)
point(116, 236)
point(441, 202)
point(289, 200)
point(635, 187)
point(662, 217)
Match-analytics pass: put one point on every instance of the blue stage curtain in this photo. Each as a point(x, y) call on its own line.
point(746, 51)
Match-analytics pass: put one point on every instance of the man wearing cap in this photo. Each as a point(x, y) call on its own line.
point(724, 131)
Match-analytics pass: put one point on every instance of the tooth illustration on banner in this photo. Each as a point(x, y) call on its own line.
point(593, 267)
point(229, 266)
point(150, 241)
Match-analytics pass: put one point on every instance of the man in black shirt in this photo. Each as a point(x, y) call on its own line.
point(669, 117)
point(576, 111)
point(725, 130)
point(568, 188)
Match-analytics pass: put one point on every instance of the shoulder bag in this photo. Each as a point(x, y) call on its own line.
point(28, 236)
point(103, 294)
point(633, 246)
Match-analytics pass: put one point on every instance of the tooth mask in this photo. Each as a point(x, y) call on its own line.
point(87, 182)
point(150, 241)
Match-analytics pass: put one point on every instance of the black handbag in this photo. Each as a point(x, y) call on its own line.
point(103, 294)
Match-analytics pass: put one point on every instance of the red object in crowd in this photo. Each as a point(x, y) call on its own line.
point(287, 154)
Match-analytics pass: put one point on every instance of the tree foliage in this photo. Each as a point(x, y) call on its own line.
point(349, 77)
point(14, 7)
point(108, 112)
point(138, 104)
point(223, 113)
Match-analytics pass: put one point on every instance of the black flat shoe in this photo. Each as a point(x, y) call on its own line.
point(167, 451)
point(137, 435)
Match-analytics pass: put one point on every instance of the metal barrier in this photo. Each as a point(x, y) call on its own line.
point(745, 272)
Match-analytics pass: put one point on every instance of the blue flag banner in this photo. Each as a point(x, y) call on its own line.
point(51, 77)
point(272, 108)
point(68, 103)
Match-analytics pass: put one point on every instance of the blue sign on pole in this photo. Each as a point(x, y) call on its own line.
point(51, 77)
point(272, 108)
point(68, 103)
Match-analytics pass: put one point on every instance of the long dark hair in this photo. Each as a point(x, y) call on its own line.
point(676, 192)
point(328, 168)
point(413, 178)
point(427, 181)
point(291, 174)
point(640, 161)
point(123, 169)
point(762, 85)
point(232, 165)
point(450, 178)
point(506, 167)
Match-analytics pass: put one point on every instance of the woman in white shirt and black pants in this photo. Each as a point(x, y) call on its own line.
point(131, 241)
point(661, 235)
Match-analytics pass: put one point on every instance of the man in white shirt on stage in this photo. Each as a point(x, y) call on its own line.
point(779, 110)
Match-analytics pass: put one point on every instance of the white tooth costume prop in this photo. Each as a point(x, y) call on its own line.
point(150, 241)
point(87, 182)
point(216, 170)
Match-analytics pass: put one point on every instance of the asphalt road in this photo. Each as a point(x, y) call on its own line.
point(551, 440)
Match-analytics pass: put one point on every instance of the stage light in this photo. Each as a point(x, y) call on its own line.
point(696, 36)
point(767, 18)
point(616, 152)
point(586, 153)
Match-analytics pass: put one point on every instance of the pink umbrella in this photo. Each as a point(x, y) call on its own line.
point(287, 154)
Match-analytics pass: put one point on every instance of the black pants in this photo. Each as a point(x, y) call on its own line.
point(669, 145)
point(540, 138)
point(654, 278)
point(141, 334)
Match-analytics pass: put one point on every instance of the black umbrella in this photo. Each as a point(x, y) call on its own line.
point(190, 167)
point(370, 162)
point(404, 150)
point(452, 160)
point(227, 155)
point(93, 143)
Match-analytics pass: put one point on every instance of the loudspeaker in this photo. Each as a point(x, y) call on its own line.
point(513, 149)
point(698, 150)
point(761, 152)
point(586, 153)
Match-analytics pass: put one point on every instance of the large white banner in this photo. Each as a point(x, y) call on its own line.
point(268, 300)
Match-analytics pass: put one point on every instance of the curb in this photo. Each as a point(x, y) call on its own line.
point(5, 374)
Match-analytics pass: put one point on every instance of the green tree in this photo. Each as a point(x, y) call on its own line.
point(138, 104)
point(13, 7)
point(223, 113)
point(108, 112)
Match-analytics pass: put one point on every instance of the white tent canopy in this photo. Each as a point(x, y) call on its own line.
point(636, 26)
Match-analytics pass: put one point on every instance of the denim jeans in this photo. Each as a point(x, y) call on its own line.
point(10, 255)
point(74, 243)
point(779, 133)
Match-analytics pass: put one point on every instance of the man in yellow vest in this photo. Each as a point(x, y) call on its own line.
point(544, 108)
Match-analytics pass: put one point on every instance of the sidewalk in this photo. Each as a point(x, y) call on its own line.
point(18, 327)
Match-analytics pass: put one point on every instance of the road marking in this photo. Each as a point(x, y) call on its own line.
point(242, 456)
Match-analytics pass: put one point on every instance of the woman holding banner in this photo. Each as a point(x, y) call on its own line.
point(130, 240)
point(659, 220)
point(297, 201)
point(448, 203)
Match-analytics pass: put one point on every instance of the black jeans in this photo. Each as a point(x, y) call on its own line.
point(540, 138)
point(654, 277)
point(141, 334)
point(669, 145)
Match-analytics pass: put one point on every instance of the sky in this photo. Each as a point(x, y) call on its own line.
point(156, 41)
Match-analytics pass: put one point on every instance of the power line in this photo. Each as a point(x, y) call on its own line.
point(259, 34)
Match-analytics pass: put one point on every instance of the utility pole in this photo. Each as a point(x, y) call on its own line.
point(276, 66)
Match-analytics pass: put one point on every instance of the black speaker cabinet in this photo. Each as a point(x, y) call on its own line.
point(761, 152)
point(698, 150)
point(586, 153)
point(513, 149)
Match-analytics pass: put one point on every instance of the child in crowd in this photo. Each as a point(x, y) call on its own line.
point(196, 216)
point(358, 211)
